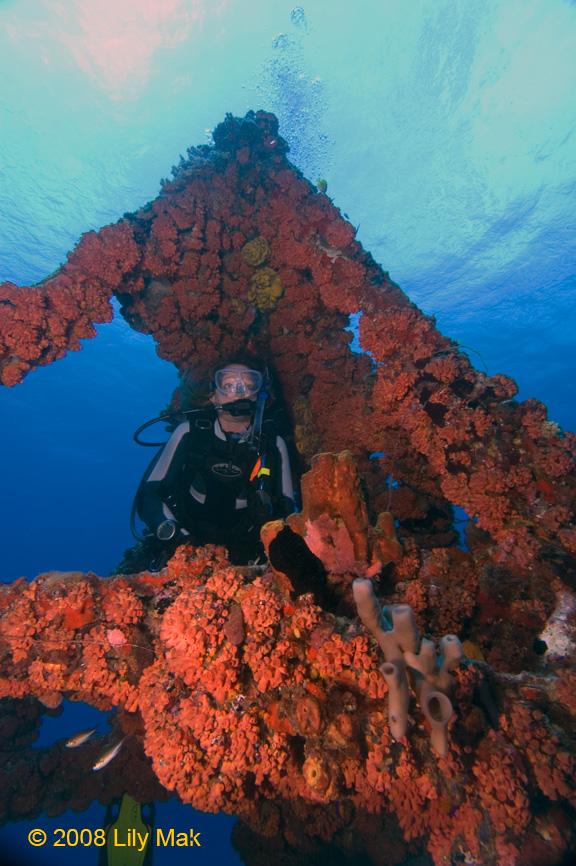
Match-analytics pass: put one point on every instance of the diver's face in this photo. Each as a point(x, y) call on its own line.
point(236, 382)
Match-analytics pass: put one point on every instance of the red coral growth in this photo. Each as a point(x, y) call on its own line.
point(426, 430)
point(218, 718)
point(39, 324)
point(546, 748)
point(451, 601)
point(120, 604)
point(196, 646)
point(502, 786)
point(234, 625)
point(565, 690)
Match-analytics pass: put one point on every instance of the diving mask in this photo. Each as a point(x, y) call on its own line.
point(234, 382)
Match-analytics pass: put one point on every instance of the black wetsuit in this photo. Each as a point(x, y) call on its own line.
point(201, 480)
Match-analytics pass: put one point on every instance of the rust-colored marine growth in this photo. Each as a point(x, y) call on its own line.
point(293, 714)
point(256, 697)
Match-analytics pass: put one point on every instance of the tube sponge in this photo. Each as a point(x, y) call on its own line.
point(410, 658)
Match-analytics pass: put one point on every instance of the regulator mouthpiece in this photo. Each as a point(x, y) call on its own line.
point(238, 408)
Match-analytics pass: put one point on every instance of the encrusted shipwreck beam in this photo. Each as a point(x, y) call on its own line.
point(248, 698)
point(265, 697)
point(251, 698)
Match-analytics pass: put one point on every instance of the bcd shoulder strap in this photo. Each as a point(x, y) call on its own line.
point(203, 440)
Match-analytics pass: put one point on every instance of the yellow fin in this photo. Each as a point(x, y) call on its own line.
point(130, 830)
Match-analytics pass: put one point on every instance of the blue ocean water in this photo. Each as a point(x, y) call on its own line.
point(440, 137)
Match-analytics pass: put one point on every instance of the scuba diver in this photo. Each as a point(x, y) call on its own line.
point(224, 472)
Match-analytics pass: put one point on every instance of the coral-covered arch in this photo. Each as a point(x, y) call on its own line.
point(239, 247)
point(273, 704)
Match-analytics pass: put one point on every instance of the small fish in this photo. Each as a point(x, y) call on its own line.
point(79, 738)
point(473, 651)
point(108, 755)
point(321, 184)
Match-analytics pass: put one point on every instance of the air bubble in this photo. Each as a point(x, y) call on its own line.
point(298, 17)
point(281, 41)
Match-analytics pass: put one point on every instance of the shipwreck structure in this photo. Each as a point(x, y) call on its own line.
point(308, 700)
